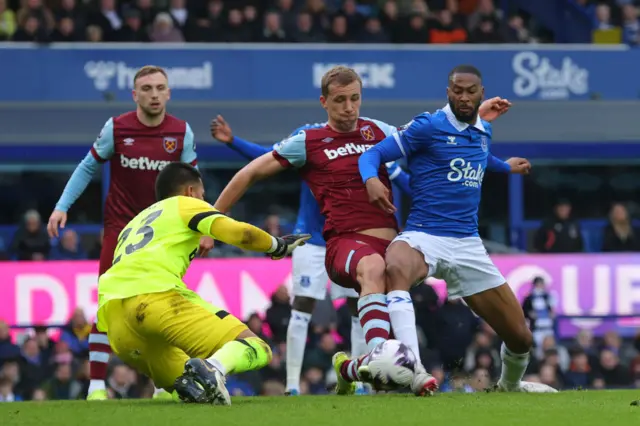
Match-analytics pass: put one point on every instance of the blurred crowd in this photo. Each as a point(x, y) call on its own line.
point(616, 16)
point(302, 21)
point(461, 351)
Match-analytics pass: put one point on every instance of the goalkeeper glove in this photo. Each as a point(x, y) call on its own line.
point(287, 244)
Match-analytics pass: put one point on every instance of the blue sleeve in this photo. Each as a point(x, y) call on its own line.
point(104, 146)
point(247, 149)
point(495, 164)
point(189, 155)
point(399, 177)
point(385, 151)
point(78, 182)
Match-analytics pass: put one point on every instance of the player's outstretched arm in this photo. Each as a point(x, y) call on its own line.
point(221, 131)
point(260, 168)
point(101, 151)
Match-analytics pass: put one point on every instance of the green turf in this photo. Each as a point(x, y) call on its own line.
point(588, 408)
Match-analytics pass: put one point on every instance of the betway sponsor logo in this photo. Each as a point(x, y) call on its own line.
point(142, 163)
point(466, 172)
point(348, 149)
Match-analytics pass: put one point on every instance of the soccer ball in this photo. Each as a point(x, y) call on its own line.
point(392, 365)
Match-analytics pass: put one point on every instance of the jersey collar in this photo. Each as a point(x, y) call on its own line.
point(459, 125)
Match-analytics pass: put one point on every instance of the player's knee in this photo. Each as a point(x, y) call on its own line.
point(403, 268)
point(303, 304)
point(371, 274)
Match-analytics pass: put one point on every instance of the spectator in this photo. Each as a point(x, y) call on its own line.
point(65, 32)
point(256, 326)
point(69, 9)
point(45, 344)
point(485, 12)
point(613, 342)
point(122, 383)
point(6, 391)
point(487, 31)
point(446, 31)
point(279, 313)
point(339, 32)
point(480, 380)
point(62, 386)
point(417, 31)
point(517, 32)
point(31, 241)
point(209, 26)
point(548, 376)
point(69, 247)
point(603, 17)
point(580, 373)
point(273, 32)
point(455, 327)
point(7, 21)
point(305, 32)
point(76, 333)
point(39, 395)
point(619, 235)
point(33, 369)
point(613, 374)
point(163, 30)
point(355, 21)
point(390, 19)
point(30, 30)
point(94, 34)
point(235, 32)
point(630, 25)
point(550, 347)
point(288, 15)
point(8, 350)
point(147, 12)
point(318, 12)
point(131, 31)
point(320, 357)
point(560, 234)
point(37, 10)
point(252, 22)
point(107, 19)
point(373, 32)
point(314, 377)
point(180, 14)
point(539, 311)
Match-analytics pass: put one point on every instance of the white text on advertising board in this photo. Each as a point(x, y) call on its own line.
point(373, 75)
point(536, 75)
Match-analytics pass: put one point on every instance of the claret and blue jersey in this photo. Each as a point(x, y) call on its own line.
point(447, 160)
point(310, 220)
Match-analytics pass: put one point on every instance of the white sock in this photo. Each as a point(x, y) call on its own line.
point(158, 390)
point(95, 385)
point(403, 320)
point(296, 342)
point(358, 344)
point(513, 368)
point(217, 364)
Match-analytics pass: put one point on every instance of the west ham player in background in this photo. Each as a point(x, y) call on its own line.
point(448, 153)
point(356, 233)
point(309, 274)
point(138, 144)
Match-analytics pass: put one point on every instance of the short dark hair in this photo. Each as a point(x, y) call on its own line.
point(465, 69)
point(173, 177)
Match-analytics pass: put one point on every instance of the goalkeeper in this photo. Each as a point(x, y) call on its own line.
point(158, 326)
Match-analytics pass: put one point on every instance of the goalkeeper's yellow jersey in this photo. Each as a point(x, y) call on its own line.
point(155, 249)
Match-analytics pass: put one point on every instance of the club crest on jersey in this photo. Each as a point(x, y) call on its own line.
point(367, 133)
point(170, 145)
point(484, 143)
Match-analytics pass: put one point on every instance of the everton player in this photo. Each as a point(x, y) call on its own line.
point(138, 144)
point(448, 153)
point(309, 273)
point(356, 233)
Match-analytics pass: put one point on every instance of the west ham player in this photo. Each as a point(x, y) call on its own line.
point(138, 145)
point(356, 233)
point(448, 153)
point(309, 274)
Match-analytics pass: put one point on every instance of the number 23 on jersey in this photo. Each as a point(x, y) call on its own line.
point(145, 233)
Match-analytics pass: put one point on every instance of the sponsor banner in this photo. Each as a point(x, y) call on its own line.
point(294, 72)
point(584, 285)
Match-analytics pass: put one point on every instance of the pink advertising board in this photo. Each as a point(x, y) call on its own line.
point(584, 285)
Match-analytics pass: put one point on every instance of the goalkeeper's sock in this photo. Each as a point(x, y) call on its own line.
point(349, 369)
point(241, 355)
point(296, 341)
point(403, 320)
point(513, 368)
point(374, 318)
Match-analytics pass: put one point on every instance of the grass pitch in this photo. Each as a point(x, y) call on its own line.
point(587, 408)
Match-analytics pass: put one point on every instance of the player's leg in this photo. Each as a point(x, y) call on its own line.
point(99, 348)
point(486, 292)
point(358, 263)
point(309, 284)
point(216, 342)
point(409, 260)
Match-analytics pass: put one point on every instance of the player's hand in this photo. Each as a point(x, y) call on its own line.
point(57, 219)
point(220, 130)
point(379, 195)
point(493, 108)
point(520, 166)
point(206, 244)
point(287, 244)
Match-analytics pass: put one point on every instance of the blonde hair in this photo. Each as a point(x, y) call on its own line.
point(148, 70)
